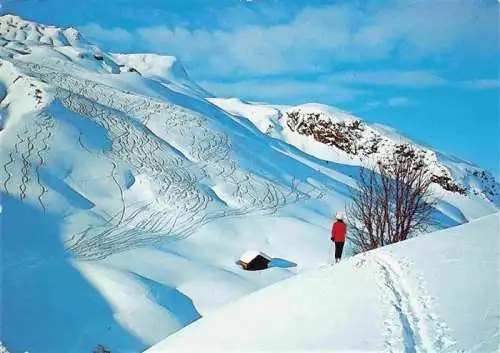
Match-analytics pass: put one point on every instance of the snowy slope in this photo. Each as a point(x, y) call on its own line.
point(436, 293)
point(142, 197)
point(137, 195)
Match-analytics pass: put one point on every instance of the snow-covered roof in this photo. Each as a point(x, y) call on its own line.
point(249, 255)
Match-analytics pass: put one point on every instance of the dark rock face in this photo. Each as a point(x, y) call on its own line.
point(491, 188)
point(341, 135)
point(348, 137)
point(448, 184)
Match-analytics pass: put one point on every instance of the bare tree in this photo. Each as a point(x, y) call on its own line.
point(392, 201)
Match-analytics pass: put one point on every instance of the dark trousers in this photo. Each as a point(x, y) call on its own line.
point(339, 246)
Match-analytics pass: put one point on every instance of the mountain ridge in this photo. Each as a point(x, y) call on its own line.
point(366, 143)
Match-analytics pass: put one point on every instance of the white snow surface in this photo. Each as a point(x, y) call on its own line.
point(128, 196)
point(164, 69)
point(435, 293)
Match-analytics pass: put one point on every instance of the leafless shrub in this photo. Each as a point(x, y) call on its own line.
point(392, 201)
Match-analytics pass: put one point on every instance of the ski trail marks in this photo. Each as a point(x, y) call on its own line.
point(193, 150)
point(25, 160)
point(413, 323)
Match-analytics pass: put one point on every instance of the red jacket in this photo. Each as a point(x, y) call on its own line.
point(338, 231)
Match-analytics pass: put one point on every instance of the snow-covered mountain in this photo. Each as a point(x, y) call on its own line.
point(128, 192)
point(335, 135)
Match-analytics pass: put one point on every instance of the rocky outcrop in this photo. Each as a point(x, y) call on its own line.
point(355, 138)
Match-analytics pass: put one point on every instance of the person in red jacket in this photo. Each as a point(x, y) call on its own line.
point(339, 231)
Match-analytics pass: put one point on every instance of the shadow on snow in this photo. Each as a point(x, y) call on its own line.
point(46, 305)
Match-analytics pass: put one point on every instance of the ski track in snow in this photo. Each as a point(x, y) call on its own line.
point(28, 158)
point(180, 207)
point(413, 324)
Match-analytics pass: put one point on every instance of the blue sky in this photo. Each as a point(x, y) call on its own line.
point(426, 67)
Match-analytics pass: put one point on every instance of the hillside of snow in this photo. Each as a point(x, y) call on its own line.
point(435, 293)
point(337, 136)
point(128, 194)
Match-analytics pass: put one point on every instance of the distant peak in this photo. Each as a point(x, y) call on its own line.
point(25, 32)
point(153, 64)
